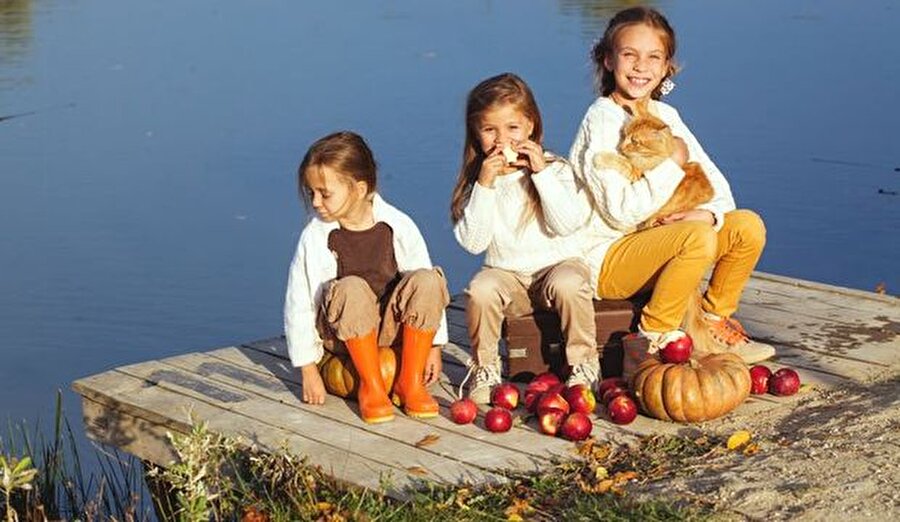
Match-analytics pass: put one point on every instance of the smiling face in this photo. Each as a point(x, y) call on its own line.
point(503, 125)
point(639, 62)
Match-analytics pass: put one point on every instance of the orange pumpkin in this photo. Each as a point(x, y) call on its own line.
point(341, 379)
point(702, 390)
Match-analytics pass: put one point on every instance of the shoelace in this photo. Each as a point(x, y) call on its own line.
point(481, 373)
point(729, 331)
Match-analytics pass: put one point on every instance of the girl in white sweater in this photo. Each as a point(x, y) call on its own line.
point(361, 278)
point(634, 62)
point(521, 206)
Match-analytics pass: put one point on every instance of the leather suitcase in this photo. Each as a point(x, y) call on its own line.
point(534, 342)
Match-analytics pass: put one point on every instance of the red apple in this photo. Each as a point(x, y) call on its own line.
point(505, 395)
point(677, 351)
point(580, 398)
point(463, 411)
point(611, 382)
point(549, 420)
point(759, 379)
point(531, 400)
point(498, 420)
point(612, 393)
point(577, 426)
point(784, 382)
point(622, 410)
point(543, 382)
point(551, 401)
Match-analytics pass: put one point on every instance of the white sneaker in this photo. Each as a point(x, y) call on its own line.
point(587, 373)
point(486, 377)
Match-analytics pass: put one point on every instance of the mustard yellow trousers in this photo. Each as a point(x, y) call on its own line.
point(672, 260)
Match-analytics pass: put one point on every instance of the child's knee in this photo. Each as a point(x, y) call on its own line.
point(700, 239)
point(484, 292)
point(570, 284)
point(750, 227)
point(351, 288)
point(429, 281)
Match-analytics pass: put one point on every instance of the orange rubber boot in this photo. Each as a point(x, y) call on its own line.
point(374, 404)
point(409, 388)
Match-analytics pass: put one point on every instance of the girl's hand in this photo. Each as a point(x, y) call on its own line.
point(433, 366)
point(690, 215)
point(313, 387)
point(534, 156)
point(491, 167)
point(680, 154)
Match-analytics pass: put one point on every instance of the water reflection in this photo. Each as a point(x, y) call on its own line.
point(15, 38)
point(594, 14)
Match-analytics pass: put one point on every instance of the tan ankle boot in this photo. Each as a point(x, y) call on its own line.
point(374, 404)
point(409, 388)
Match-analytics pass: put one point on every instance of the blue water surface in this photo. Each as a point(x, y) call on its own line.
point(147, 172)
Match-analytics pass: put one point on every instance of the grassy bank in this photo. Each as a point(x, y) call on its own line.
point(221, 478)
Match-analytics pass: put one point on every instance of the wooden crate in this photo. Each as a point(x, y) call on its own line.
point(534, 342)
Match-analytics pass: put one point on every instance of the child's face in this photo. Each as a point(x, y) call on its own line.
point(639, 62)
point(335, 196)
point(503, 125)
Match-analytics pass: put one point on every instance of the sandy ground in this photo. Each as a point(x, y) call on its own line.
point(834, 455)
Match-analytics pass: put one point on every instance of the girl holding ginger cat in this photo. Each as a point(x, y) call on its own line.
point(634, 62)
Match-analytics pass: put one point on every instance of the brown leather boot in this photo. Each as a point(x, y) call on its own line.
point(374, 404)
point(409, 388)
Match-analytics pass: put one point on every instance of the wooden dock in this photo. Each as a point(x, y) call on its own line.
point(830, 335)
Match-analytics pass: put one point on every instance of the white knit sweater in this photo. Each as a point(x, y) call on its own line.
point(620, 205)
point(491, 220)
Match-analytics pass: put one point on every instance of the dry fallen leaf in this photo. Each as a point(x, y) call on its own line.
point(806, 388)
point(738, 439)
point(417, 470)
point(880, 288)
point(428, 440)
point(751, 449)
point(600, 473)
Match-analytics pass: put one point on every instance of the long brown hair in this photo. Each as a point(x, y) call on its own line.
point(606, 47)
point(506, 88)
point(344, 151)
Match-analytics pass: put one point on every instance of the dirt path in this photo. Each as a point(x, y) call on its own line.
point(834, 456)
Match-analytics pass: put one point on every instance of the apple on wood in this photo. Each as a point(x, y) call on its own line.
point(498, 420)
point(612, 393)
point(759, 379)
point(542, 382)
point(463, 411)
point(505, 395)
point(580, 398)
point(550, 419)
point(611, 382)
point(622, 409)
point(784, 382)
point(577, 426)
point(551, 401)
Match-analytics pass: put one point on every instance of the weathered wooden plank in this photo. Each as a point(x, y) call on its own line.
point(224, 366)
point(133, 401)
point(766, 280)
point(519, 441)
point(369, 443)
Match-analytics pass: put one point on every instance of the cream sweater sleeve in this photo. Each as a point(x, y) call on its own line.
point(621, 203)
point(564, 206)
point(475, 230)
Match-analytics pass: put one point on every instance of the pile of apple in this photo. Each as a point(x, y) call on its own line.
point(783, 382)
point(620, 406)
point(560, 410)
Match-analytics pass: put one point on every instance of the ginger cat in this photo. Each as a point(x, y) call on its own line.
point(646, 142)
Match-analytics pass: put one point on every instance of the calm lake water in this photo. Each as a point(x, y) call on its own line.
point(148, 149)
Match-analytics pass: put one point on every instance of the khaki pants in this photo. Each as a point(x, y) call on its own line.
point(351, 309)
point(672, 260)
point(564, 288)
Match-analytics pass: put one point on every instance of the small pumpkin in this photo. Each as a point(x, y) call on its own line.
point(701, 390)
point(341, 379)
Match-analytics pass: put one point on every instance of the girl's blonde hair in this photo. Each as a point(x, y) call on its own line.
point(606, 47)
point(503, 89)
point(344, 151)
